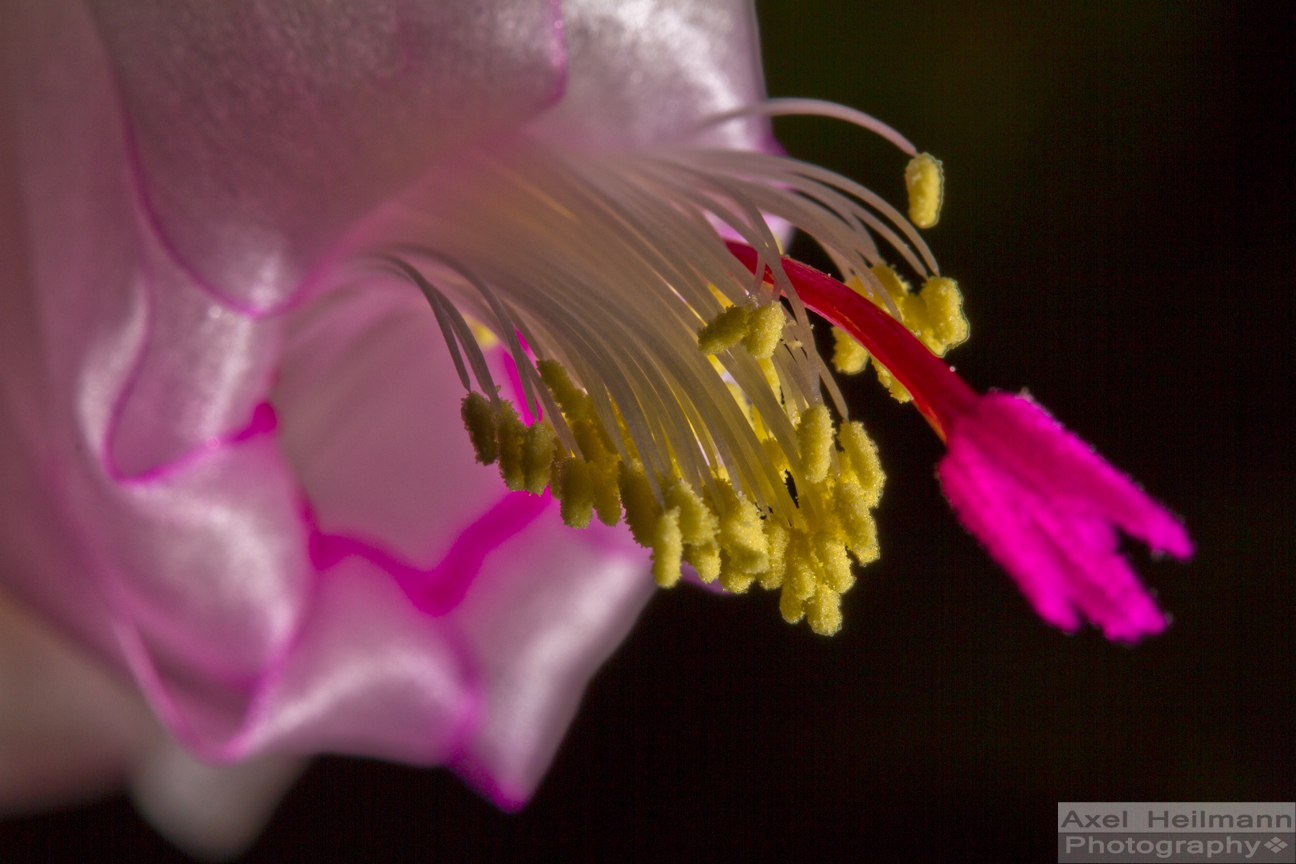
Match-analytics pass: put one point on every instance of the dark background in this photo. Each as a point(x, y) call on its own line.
point(1118, 213)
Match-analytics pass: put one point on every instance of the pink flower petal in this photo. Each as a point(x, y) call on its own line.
point(368, 405)
point(203, 555)
point(362, 396)
point(553, 606)
point(644, 72)
point(1046, 507)
point(263, 131)
point(179, 171)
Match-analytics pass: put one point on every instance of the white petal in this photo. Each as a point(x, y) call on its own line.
point(212, 812)
point(643, 72)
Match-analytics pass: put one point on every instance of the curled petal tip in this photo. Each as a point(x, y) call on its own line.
point(1046, 507)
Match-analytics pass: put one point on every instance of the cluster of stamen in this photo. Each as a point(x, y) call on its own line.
point(934, 315)
point(673, 388)
point(717, 530)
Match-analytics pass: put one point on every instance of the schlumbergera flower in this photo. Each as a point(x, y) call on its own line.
point(239, 458)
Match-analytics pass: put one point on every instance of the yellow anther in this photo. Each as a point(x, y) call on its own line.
point(641, 508)
point(900, 293)
point(776, 538)
point(774, 453)
point(576, 492)
point(913, 311)
point(764, 329)
point(944, 305)
point(934, 315)
point(511, 439)
point(913, 314)
point(721, 533)
point(925, 180)
point(573, 402)
point(825, 525)
point(698, 523)
point(814, 437)
point(705, 560)
point(481, 422)
point(862, 456)
point(802, 567)
point(607, 497)
point(849, 356)
point(667, 547)
point(742, 537)
point(894, 387)
point(831, 554)
point(724, 331)
point(859, 529)
point(733, 580)
point(593, 440)
point(537, 456)
point(894, 284)
point(824, 612)
point(791, 607)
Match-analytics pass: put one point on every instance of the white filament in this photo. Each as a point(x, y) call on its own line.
point(607, 262)
point(817, 108)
